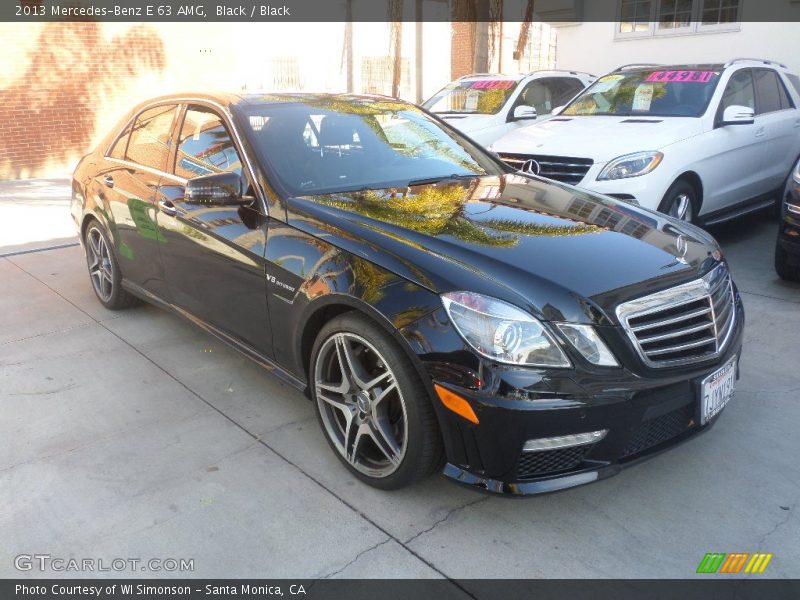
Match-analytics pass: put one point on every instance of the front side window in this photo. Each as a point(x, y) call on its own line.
point(477, 96)
point(328, 145)
point(549, 92)
point(205, 146)
point(653, 93)
point(739, 91)
point(149, 139)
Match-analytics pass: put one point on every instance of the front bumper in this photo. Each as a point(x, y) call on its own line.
point(645, 412)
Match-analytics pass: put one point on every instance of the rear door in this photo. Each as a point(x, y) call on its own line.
point(778, 115)
point(214, 255)
point(129, 182)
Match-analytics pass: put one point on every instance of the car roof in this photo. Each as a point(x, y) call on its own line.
point(673, 67)
point(229, 99)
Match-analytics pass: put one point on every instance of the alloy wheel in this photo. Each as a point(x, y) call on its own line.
point(681, 208)
point(101, 269)
point(361, 404)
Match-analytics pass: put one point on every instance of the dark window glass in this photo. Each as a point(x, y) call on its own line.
point(795, 81)
point(772, 94)
point(549, 92)
point(118, 149)
point(739, 91)
point(205, 146)
point(148, 145)
point(718, 12)
point(769, 90)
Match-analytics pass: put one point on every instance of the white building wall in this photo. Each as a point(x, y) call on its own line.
point(592, 47)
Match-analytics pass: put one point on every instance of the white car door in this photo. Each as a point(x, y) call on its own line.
point(733, 155)
point(782, 122)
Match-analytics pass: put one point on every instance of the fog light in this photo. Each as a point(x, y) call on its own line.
point(564, 441)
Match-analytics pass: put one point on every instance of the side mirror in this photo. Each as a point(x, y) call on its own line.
point(557, 110)
point(217, 189)
point(524, 112)
point(738, 115)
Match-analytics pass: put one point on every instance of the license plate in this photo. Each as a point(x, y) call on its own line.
point(717, 389)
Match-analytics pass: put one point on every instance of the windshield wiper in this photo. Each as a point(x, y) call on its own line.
point(431, 180)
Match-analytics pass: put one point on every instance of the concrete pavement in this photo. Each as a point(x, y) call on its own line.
point(134, 434)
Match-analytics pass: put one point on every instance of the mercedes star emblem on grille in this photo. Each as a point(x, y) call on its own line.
point(531, 166)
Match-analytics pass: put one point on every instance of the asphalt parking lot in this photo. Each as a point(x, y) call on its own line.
point(134, 434)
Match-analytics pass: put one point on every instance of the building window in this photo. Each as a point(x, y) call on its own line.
point(650, 18)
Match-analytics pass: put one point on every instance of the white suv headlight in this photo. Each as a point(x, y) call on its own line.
point(631, 165)
point(502, 332)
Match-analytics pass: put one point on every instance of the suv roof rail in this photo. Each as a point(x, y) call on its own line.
point(570, 71)
point(756, 60)
point(632, 65)
point(479, 75)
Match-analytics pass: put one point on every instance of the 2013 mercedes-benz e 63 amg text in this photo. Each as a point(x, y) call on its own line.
point(440, 310)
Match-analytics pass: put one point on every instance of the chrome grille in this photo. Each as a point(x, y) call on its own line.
point(684, 324)
point(560, 168)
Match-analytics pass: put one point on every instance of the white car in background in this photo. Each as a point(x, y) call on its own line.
point(702, 143)
point(486, 107)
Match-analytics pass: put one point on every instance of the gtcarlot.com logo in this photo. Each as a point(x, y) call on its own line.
point(46, 562)
point(734, 563)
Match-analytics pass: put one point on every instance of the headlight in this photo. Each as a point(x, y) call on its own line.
point(631, 165)
point(589, 344)
point(502, 332)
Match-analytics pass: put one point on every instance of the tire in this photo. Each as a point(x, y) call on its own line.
point(385, 433)
point(104, 272)
point(681, 193)
point(782, 266)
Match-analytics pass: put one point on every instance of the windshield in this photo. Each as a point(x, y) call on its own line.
point(475, 97)
point(656, 93)
point(325, 144)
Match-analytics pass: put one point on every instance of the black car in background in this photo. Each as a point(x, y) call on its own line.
point(441, 310)
point(787, 248)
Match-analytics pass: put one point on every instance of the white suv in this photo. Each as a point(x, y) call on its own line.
point(486, 107)
point(699, 142)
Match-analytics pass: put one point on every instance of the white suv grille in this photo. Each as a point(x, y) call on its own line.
point(684, 324)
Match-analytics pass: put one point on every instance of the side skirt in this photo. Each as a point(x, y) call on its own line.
point(244, 349)
point(742, 208)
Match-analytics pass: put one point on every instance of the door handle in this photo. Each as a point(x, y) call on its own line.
point(761, 132)
point(167, 207)
point(109, 181)
point(797, 123)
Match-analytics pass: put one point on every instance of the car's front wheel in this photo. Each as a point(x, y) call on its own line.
point(785, 270)
point(680, 201)
point(104, 270)
point(373, 408)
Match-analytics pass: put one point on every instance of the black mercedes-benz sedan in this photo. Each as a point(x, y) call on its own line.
point(441, 311)
point(787, 247)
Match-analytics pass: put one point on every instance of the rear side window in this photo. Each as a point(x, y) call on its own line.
point(772, 95)
point(549, 92)
point(149, 141)
point(739, 91)
point(119, 147)
point(795, 81)
point(205, 146)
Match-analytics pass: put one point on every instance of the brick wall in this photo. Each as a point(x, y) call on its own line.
point(49, 105)
point(461, 49)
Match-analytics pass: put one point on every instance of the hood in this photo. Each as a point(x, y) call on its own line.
point(600, 138)
point(468, 123)
point(558, 252)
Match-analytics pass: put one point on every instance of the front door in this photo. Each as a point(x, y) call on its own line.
point(214, 255)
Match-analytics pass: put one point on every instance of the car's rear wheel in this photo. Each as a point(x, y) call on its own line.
point(373, 408)
point(680, 201)
point(104, 270)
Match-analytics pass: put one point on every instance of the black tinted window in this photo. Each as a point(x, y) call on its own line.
point(739, 91)
point(149, 139)
point(549, 92)
point(795, 81)
point(205, 146)
point(771, 95)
